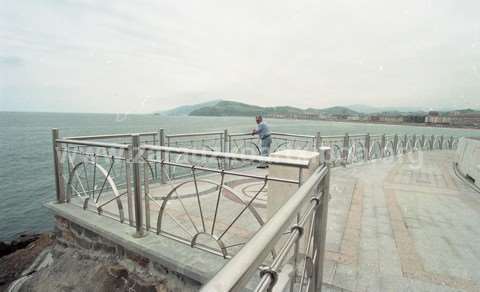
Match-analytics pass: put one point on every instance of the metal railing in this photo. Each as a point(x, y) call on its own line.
point(346, 149)
point(96, 174)
point(98, 168)
point(120, 181)
point(185, 187)
point(248, 144)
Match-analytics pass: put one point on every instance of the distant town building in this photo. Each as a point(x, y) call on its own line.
point(414, 119)
point(465, 119)
point(312, 116)
point(435, 118)
point(386, 118)
point(438, 120)
point(392, 119)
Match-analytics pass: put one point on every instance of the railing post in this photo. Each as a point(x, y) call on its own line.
point(128, 181)
point(225, 147)
point(451, 142)
point(382, 146)
point(161, 139)
point(137, 186)
point(229, 150)
point(414, 142)
point(225, 141)
point(155, 155)
point(146, 189)
point(441, 143)
point(320, 222)
point(169, 169)
point(366, 154)
point(346, 146)
point(58, 168)
point(395, 144)
point(318, 141)
point(432, 142)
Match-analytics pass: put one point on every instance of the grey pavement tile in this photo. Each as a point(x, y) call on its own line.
point(345, 277)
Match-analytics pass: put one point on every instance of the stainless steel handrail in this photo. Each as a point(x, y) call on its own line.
point(109, 136)
point(193, 134)
point(237, 272)
point(357, 135)
point(91, 143)
point(232, 156)
point(333, 137)
point(275, 133)
point(293, 135)
point(240, 134)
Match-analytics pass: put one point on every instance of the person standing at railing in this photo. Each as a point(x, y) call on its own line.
point(263, 131)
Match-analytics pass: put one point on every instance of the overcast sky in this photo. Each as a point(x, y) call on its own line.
point(142, 56)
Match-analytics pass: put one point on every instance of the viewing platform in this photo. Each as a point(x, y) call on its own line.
point(342, 213)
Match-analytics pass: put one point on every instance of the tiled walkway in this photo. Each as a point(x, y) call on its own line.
point(403, 225)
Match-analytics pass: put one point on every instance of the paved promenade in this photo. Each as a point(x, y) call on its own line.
point(403, 225)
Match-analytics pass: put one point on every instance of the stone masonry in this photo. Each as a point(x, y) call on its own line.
point(148, 275)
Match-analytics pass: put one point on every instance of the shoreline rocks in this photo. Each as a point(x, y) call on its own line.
point(26, 249)
point(22, 241)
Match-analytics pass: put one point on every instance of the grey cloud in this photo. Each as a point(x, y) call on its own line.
point(301, 53)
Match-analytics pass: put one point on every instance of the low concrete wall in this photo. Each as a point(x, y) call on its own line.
point(467, 158)
point(71, 235)
point(185, 268)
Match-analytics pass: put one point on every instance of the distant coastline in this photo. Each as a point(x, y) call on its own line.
point(406, 124)
point(458, 119)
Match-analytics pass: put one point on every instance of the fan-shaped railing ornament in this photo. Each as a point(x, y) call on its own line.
point(389, 150)
point(206, 224)
point(454, 143)
point(356, 153)
point(80, 186)
point(375, 151)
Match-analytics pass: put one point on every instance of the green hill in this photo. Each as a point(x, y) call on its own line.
point(233, 108)
point(185, 110)
point(338, 110)
point(228, 108)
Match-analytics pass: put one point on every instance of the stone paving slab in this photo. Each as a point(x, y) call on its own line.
point(404, 224)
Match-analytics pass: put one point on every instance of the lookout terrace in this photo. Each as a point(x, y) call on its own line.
point(355, 212)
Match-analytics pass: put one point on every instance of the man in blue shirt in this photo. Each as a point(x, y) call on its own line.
point(263, 131)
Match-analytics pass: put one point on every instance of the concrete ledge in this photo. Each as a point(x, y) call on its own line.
point(467, 158)
point(189, 262)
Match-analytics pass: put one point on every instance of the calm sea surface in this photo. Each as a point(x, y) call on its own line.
point(26, 173)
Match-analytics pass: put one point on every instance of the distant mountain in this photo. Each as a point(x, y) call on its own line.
point(337, 110)
point(228, 108)
point(185, 110)
point(233, 108)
